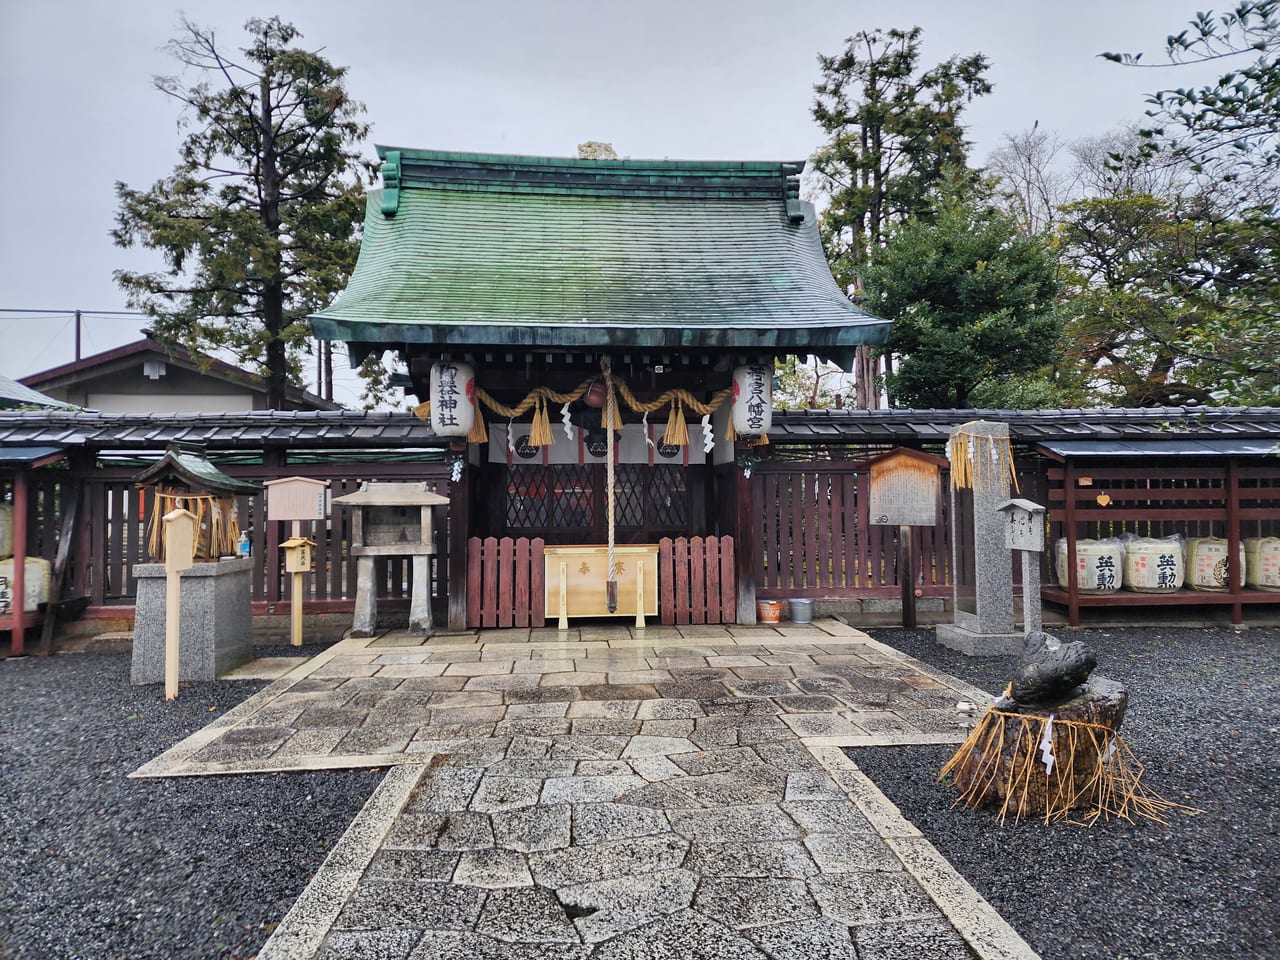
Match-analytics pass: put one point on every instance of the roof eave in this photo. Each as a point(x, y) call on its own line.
point(786, 340)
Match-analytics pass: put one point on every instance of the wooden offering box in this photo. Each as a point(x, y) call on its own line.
point(576, 577)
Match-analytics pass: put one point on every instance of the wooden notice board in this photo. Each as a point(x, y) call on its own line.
point(586, 571)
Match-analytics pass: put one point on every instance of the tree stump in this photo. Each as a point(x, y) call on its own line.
point(1048, 759)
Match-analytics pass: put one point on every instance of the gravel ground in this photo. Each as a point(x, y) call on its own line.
point(1203, 718)
point(96, 866)
point(99, 867)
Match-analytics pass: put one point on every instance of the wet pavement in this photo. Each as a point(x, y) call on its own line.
point(603, 793)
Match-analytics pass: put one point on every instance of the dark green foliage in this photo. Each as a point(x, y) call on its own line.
point(1171, 301)
point(1185, 289)
point(894, 132)
point(259, 222)
point(972, 300)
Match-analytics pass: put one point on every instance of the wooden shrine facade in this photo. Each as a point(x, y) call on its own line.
point(798, 525)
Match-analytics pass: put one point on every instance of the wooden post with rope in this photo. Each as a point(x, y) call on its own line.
point(611, 406)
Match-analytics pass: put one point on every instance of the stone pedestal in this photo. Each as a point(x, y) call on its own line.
point(215, 620)
point(364, 623)
point(976, 643)
point(1002, 763)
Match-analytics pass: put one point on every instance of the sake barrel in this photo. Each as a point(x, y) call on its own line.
point(1153, 566)
point(35, 584)
point(1262, 563)
point(1099, 565)
point(1208, 563)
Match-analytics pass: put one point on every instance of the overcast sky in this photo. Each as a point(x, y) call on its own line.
point(693, 79)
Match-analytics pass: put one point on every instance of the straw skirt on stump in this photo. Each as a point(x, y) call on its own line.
point(1046, 760)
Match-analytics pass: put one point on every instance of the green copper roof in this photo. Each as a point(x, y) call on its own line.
point(189, 465)
point(467, 249)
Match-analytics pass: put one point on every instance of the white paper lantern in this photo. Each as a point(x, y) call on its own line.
point(752, 399)
point(453, 398)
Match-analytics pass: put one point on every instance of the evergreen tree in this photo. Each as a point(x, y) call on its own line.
point(894, 134)
point(894, 131)
point(259, 222)
point(972, 300)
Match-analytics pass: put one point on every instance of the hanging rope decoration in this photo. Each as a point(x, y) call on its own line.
point(1045, 763)
point(540, 435)
point(980, 461)
point(216, 528)
point(539, 397)
point(677, 431)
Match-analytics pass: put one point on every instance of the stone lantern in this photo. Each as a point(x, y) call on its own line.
point(392, 520)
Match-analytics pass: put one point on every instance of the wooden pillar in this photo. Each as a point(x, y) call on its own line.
point(18, 588)
point(98, 529)
point(84, 551)
point(745, 547)
point(1069, 531)
point(907, 576)
point(1235, 573)
point(459, 528)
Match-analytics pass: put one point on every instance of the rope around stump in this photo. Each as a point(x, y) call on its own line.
point(1113, 788)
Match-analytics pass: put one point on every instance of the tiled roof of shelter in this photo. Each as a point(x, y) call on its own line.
point(355, 429)
point(15, 394)
point(1027, 426)
point(476, 250)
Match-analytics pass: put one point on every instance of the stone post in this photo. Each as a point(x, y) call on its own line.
point(420, 622)
point(984, 626)
point(365, 621)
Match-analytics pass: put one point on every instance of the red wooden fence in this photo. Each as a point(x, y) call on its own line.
point(505, 583)
point(696, 580)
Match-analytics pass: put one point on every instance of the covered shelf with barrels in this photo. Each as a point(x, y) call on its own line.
point(1205, 532)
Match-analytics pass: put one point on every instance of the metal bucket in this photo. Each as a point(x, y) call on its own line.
point(801, 611)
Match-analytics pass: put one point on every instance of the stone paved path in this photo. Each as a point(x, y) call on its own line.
point(678, 793)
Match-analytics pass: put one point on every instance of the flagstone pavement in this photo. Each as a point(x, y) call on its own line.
point(598, 792)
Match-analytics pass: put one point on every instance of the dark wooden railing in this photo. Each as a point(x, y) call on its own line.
point(114, 538)
point(816, 538)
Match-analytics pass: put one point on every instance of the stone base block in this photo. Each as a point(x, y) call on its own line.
point(894, 605)
point(975, 644)
point(214, 620)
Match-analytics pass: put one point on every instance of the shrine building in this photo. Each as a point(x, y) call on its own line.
point(532, 298)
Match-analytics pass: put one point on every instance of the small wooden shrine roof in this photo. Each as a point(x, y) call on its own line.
point(192, 468)
point(536, 253)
